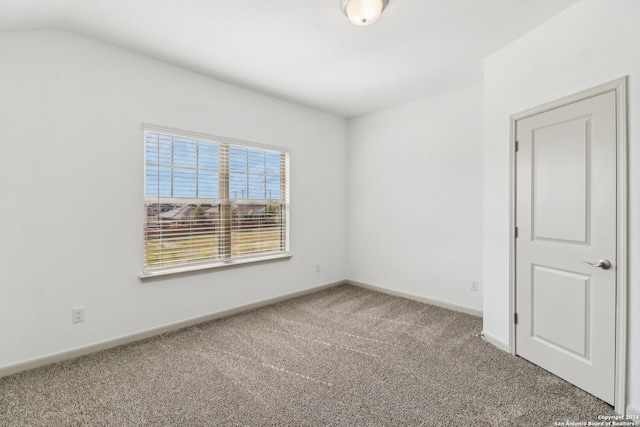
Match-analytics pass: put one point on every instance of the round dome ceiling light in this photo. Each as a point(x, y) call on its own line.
point(363, 12)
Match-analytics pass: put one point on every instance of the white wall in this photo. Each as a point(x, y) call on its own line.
point(71, 173)
point(594, 42)
point(415, 198)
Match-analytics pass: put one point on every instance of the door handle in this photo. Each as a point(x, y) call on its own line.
point(602, 263)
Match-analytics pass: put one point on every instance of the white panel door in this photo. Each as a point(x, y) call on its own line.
point(566, 215)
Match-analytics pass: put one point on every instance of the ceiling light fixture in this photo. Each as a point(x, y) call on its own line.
point(363, 12)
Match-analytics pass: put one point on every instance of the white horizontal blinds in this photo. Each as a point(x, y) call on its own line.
point(224, 243)
point(284, 194)
point(208, 201)
point(259, 206)
point(181, 200)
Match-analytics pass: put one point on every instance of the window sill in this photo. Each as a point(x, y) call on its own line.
point(214, 266)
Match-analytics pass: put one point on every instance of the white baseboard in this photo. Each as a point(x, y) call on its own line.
point(103, 345)
point(502, 345)
point(419, 298)
point(635, 412)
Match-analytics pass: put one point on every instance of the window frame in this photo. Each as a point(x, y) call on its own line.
point(224, 174)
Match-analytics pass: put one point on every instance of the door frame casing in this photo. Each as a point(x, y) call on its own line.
point(619, 86)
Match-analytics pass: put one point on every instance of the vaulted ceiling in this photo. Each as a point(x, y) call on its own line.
point(305, 51)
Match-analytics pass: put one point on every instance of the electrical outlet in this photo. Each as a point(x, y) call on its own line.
point(317, 268)
point(77, 315)
point(474, 285)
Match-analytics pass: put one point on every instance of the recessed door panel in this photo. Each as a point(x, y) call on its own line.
point(560, 307)
point(561, 180)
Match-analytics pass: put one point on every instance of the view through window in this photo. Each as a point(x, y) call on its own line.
point(212, 201)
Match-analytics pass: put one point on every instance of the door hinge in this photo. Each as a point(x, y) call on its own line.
point(517, 146)
point(516, 232)
point(515, 318)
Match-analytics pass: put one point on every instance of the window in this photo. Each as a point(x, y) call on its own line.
point(212, 201)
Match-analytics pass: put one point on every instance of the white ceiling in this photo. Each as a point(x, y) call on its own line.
point(305, 51)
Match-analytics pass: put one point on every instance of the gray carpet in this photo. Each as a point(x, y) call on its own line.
point(344, 356)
